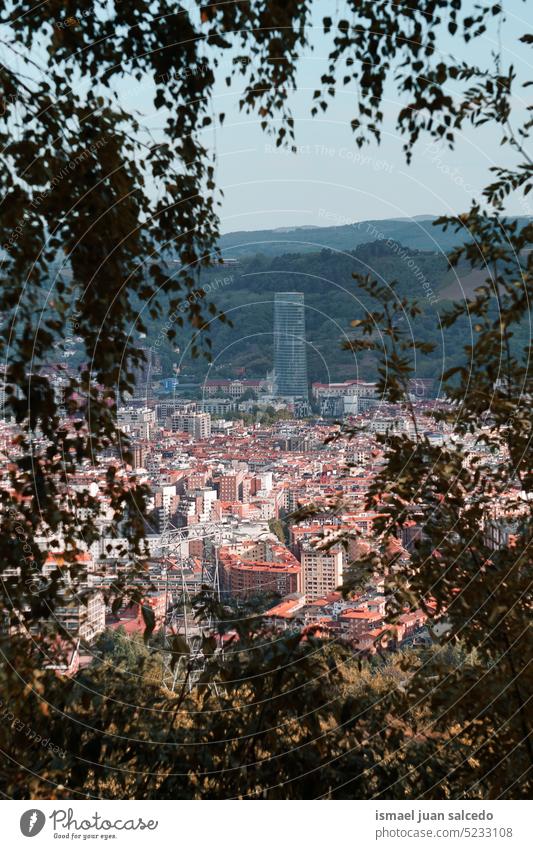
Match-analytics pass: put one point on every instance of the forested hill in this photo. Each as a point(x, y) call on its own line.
point(418, 233)
point(244, 291)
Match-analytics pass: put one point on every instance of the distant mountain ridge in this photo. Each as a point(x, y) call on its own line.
point(417, 233)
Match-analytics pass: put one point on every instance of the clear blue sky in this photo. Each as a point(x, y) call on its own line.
point(329, 180)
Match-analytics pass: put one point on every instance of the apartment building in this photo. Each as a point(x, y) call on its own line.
point(197, 425)
point(321, 571)
point(230, 486)
point(251, 567)
point(137, 421)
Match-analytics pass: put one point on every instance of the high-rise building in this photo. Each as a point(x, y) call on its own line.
point(290, 360)
point(321, 571)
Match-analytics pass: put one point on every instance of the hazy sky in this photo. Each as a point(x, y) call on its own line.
point(329, 180)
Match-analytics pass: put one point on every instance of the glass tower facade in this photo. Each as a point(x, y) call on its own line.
point(290, 357)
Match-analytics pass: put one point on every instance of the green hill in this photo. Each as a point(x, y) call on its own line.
point(333, 299)
point(417, 233)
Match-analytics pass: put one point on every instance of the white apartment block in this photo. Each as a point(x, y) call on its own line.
point(138, 421)
point(198, 425)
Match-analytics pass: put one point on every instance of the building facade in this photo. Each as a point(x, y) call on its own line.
point(321, 571)
point(249, 568)
point(197, 425)
point(290, 356)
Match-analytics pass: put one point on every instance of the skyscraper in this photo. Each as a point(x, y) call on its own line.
point(290, 361)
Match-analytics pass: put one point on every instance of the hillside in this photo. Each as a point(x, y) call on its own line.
point(417, 233)
point(333, 300)
point(284, 261)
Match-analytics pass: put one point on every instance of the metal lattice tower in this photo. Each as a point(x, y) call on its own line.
point(180, 620)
